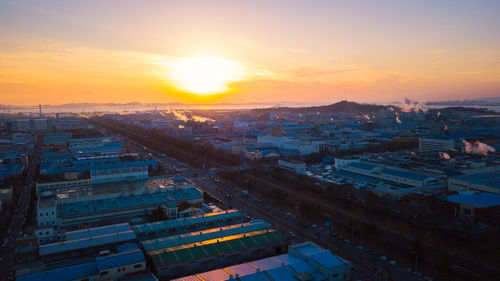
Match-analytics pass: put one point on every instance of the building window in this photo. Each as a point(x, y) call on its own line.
point(467, 211)
point(138, 265)
point(118, 269)
point(104, 273)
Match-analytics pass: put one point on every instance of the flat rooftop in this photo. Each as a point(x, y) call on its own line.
point(167, 226)
point(125, 202)
point(489, 179)
point(478, 200)
point(213, 247)
point(208, 234)
point(120, 187)
point(299, 264)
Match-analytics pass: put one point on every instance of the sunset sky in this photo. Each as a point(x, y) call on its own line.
point(55, 52)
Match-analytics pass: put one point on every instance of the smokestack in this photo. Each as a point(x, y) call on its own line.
point(40, 109)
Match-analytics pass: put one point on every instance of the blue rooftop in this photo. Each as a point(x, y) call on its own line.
point(85, 270)
point(404, 174)
point(478, 200)
point(362, 165)
point(116, 260)
point(312, 260)
point(74, 272)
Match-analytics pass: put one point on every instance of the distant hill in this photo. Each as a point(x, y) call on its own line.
point(339, 107)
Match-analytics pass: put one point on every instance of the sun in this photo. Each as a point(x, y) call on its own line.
point(204, 75)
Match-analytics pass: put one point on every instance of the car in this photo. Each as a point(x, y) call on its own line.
point(392, 262)
point(384, 258)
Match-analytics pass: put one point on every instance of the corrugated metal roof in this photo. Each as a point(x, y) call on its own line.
point(279, 268)
point(184, 253)
point(86, 242)
point(481, 199)
point(361, 165)
point(95, 231)
point(168, 225)
point(327, 259)
point(208, 234)
point(125, 202)
point(74, 272)
point(404, 174)
point(116, 260)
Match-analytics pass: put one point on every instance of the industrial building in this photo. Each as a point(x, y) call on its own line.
point(472, 206)
point(94, 203)
point(435, 144)
point(224, 250)
point(292, 165)
point(394, 175)
point(127, 261)
point(180, 246)
point(188, 224)
point(487, 182)
point(305, 261)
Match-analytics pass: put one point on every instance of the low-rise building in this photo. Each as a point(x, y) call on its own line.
point(295, 166)
point(116, 266)
point(114, 202)
point(435, 144)
point(487, 182)
point(305, 261)
point(184, 225)
point(473, 206)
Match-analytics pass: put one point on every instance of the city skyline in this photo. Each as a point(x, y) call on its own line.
point(270, 52)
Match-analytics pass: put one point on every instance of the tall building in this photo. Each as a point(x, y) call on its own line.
point(435, 144)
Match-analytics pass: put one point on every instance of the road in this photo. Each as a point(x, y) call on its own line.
point(16, 228)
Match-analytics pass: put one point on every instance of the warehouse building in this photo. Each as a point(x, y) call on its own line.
point(114, 202)
point(118, 266)
point(188, 224)
point(305, 261)
point(192, 257)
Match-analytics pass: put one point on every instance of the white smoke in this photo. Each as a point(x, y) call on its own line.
point(201, 119)
point(179, 115)
point(397, 119)
point(477, 147)
point(444, 155)
point(438, 114)
point(413, 106)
